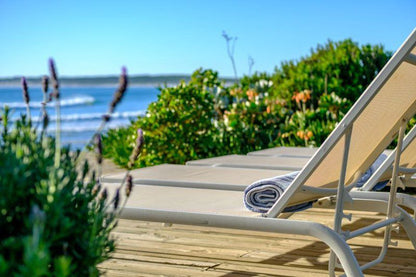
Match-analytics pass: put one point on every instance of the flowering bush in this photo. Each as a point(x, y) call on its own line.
point(299, 104)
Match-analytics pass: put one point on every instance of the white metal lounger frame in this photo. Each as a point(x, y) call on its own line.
point(334, 238)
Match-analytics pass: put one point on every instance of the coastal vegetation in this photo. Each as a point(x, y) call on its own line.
point(297, 105)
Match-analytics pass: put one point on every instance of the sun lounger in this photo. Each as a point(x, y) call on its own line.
point(380, 115)
point(219, 178)
point(299, 152)
point(407, 162)
point(259, 161)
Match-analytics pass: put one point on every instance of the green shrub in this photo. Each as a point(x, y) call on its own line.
point(341, 67)
point(119, 152)
point(52, 222)
point(178, 127)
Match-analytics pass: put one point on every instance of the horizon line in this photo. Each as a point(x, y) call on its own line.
point(108, 76)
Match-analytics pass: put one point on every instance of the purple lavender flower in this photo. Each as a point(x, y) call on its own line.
point(122, 86)
point(97, 187)
point(45, 120)
point(104, 194)
point(45, 87)
point(137, 149)
point(99, 148)
point(106, 117)
point(116, 199)
point(25, 91)
point(54, 77)
point(129, 185)
point(45, 84)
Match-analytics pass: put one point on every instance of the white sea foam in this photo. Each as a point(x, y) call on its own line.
point(78, 100)
point(86, 127)
point(91, 116)
point(73, 101)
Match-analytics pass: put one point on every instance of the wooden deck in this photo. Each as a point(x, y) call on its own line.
point(152, 249)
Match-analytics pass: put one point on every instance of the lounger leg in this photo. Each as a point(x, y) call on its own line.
point(335, 242)
point(393, 187)
point(409, 225)
point(341, 195)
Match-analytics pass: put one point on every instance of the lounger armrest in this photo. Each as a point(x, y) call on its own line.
point(406, 170)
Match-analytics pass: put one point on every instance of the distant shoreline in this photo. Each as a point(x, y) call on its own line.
point(104, 81)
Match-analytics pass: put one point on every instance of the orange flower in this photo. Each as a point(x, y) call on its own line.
point(268, 109)
point(307, 135)
point(300, 134)
point(301, 96)
point(306, 95)
point(235, 92)
point(251, 94)
point(296, 97)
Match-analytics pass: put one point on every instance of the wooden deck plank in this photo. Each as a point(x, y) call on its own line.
point(152, 249)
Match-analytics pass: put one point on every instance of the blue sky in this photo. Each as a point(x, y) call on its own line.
point(162, 37)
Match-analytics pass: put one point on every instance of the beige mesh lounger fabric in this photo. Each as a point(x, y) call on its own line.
point(380, 115)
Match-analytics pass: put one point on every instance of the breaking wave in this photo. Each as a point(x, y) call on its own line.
point(92, 116)
point(73, 101)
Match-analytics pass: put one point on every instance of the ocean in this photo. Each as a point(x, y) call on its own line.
point(81, 109)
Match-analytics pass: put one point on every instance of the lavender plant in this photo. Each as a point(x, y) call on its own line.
point(56, 220)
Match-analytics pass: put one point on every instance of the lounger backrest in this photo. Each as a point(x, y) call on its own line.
point(375, 120)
